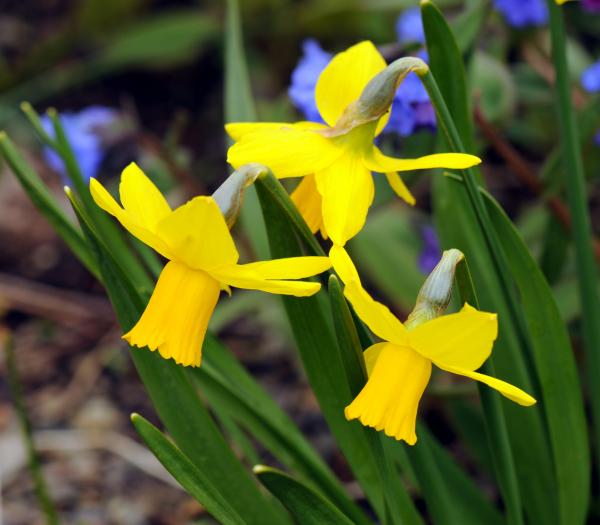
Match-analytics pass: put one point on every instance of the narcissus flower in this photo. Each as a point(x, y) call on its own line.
point(203, 260)
point(337, 158)
point(399, 368)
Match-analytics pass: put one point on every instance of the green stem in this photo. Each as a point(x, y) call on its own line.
point(472, 186)
point(495, 422)
point(14, 383)
point(494, 415)
point(577, 201)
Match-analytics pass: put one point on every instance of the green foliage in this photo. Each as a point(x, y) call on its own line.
point(306, 505)
point(183, 470)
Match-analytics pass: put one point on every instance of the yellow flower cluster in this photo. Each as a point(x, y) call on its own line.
point(336, 161)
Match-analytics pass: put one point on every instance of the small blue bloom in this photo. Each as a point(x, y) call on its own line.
point(430, 252)
point(590, 78)
point(409, 27)
point(304, 79)
point(83, 130)
point(523, 13)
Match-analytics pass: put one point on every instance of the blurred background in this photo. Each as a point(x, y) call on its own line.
point(143, 80)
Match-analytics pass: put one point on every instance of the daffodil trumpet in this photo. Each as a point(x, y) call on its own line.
point(399, 368)
point(336, 159)
point(203, 260)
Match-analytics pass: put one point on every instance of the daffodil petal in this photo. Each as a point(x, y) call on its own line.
point(289, 151)
point(175, 320)
point(240, 276)
point(344, 79)
point(309, 203)
point(371, 355)
point(237, 130)
point(400, 189)
point(377, 161)
point(198, 235)
point(390, 399)
point(462, 340)
point(506, 389)
point(289, 268)
point(105, 200)
point(343, 265)
point(378, 317)
point(347, 189)
point(141, 198)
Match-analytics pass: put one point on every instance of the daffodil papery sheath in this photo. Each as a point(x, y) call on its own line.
point(339, 159)
point(203, 260)
point(400, 367)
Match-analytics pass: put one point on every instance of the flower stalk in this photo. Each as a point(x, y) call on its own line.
point(587, 275)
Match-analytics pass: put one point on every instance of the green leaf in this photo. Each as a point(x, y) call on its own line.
point(451, 497)
point(313, 332)
point(183, 470)
point(227, 385)
point(162, 40)
point(400, 506)
point(239, 107)
point(556, 372)
point(305, 505)
point(446, 62)
point(46, 204)
point(495, 418)
point(177, 402)
point(463, 223)
point(577, 200)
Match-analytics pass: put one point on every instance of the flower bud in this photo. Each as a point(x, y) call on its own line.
point(377, 96)
point(229, 196)
point(435, 294)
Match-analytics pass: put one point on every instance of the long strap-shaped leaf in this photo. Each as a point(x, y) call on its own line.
point(587, 270)
point(399, 504)
point(556, 370)
point(183, 470)
point(239, 107)
point(313, 332)
point(305, 505)
point(452, 499)
point(226, 384)
point(515, 348)
point(177, 402)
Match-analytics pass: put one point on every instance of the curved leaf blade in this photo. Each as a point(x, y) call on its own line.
point(305, 505)
point(183, 470)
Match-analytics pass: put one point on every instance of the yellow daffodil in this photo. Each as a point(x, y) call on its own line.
point(202, 261)
point(337, 158)
point(400, 367)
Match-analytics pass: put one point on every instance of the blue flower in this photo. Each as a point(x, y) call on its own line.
point(304, 79)
point(409, 27)
point(430, 252)
point(523, 13)
point(83, 130)
point(590, 78)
